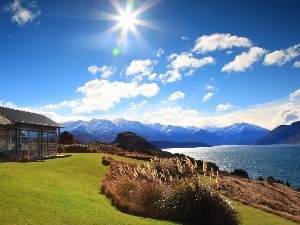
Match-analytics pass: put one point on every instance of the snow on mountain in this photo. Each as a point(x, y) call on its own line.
point(242, 133)
point(106, 131)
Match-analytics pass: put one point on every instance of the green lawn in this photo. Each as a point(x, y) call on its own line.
point(66, 191)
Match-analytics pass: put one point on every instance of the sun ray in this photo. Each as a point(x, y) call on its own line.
point(145, 6)
point(127, 21)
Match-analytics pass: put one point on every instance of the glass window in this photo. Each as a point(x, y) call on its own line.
point(52, 143)
point(25, 140)
point(33, 143)
point(2, 139)
point(33, 140)
point(52, 138)
point(11, 140)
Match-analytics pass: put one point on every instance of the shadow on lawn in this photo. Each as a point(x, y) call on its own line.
point(28, 159)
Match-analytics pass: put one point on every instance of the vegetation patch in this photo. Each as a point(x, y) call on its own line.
point(168, 189)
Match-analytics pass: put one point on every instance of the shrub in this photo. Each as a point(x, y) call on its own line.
point(240, 173)
point(25, 159)
point(75, 148)
point(168, 189)
point(66, 138)
point(190, 201)
point(3, 156)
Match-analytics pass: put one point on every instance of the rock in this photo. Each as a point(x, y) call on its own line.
point(270, 180)
point(260, 178)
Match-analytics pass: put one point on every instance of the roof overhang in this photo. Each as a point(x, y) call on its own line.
point(4, 120)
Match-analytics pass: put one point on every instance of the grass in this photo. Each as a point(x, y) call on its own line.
point(66, 191)
point(252, 216)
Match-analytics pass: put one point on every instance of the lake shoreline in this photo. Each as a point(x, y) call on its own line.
point(279, 161)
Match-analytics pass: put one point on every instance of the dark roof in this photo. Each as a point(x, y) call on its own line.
point(27, 117)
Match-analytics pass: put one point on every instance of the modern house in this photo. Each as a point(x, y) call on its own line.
point(26, 133)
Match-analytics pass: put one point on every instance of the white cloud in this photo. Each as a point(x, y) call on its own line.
point(280, 57)
point(295, 94)
point(210, 87)
point(50, 114)
point(184, 38)
point(140, 68)
point(297, 64)
point(190, 73)
point(245, 60)
point(105, 71)
point(268, 115)
point(224, 107)
point(172, 116)
point(22, 15)
point(57, 117)
point(186, 61)
point(228, 52)
point(170, 76)
point(71, 104)
point(93, 69)
point(207, 97)
point(289, 114)
point(135, 106)
point(159, 52)
point(176, 95)
point(219, 42)
point(103, 95)
point(8, 104)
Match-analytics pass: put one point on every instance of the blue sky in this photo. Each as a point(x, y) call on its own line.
point(188, 63)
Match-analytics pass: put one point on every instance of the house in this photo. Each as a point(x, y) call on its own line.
point(26, 133)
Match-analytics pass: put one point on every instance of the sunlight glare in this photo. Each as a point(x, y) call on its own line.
point(127, 18)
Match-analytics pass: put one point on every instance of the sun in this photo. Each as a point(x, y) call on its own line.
point(127, 19)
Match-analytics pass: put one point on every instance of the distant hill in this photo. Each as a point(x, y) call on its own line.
point(133, 142)
point(172, 144)
point(283, 134)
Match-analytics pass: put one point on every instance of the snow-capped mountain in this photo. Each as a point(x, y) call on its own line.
point(106, 131)
point(242, 133)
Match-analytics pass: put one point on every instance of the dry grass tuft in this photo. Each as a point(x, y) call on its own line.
point(168, 189)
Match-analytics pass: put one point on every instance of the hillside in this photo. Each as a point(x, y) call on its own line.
point(132, 142)
point(294, 139)
point(66, 191)
point(283, 134)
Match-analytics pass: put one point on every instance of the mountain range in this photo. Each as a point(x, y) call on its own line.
point(107, 130)
point(283, 134)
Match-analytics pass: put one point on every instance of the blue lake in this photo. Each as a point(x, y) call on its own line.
point(280, 161)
